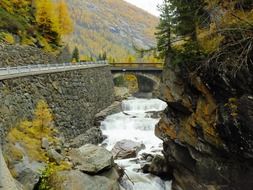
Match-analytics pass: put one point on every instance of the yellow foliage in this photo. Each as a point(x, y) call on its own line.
point(43, 116)
point(26, 41)
point(208, 39)
point(46, 16)
point(29, 133)
point(131, 82)
point(8, 38)
point(93, 36)
point(16, 6)
point(131, 59)
point(45, 44)
point(65, 22)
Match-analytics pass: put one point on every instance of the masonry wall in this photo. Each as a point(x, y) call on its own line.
point(74, 97)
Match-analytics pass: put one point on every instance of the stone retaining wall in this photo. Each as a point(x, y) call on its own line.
point(74, 97)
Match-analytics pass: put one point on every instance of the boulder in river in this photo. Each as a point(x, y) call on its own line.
point(158, 167)
point(76, 180)
point(112, 109)
point(92, 159)
point(126, 149)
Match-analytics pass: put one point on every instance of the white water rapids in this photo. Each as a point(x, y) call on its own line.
point(135, 124)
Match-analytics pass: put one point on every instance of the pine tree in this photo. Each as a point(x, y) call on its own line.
point(164, 30)
point(104, 56)
point(186, 15)
point(64, 19)
point(75, 55)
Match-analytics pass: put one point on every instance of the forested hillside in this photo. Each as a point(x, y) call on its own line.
point(112, 27)
point(34, 22)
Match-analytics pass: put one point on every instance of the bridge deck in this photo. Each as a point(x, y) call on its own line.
point(125, 69)
point(27, 70)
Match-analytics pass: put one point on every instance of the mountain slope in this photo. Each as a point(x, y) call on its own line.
point(110, 26)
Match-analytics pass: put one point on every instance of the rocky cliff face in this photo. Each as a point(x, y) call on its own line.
point(207, 129)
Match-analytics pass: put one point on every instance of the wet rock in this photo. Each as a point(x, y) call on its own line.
point(76, 180)
point(92, 159)
point(55, 156)
point(91, 136)
point(147, 157)
point(112, 109)
point(154, 114)
point(159, 168)
point(126, 149)
point(112, 174)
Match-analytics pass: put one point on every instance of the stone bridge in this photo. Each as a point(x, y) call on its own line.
point(148, 74)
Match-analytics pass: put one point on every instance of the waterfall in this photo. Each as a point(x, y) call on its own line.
point(135, 124)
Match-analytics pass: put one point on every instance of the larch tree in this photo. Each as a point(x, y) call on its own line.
point(47, 20)
point(43, 115)
point(65, 22)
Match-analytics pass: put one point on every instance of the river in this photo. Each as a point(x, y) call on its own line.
point(135, 123)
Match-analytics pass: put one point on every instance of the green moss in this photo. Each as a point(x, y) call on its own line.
point(50, 170)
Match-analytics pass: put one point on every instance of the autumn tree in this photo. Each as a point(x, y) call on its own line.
point(43, 115)
point(64, 19)
point(131, 59)
point(47, 20)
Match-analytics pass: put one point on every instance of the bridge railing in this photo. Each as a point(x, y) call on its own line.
point(135, 65)
point(47, 67)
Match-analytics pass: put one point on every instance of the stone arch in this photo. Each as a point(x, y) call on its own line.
point(147, 82)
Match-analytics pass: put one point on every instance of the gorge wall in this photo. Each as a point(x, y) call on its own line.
point(207, 129)
point(73, 96)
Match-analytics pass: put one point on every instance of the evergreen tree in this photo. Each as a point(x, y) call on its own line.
point(100, 57)
point(75, 55)
point(178, 23)
point(164, 30)
point(186, 15)
point(104, 56)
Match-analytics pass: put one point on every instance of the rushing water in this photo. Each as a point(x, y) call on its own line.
point(135, 124)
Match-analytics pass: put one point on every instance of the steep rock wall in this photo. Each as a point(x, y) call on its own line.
point(207, 130)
